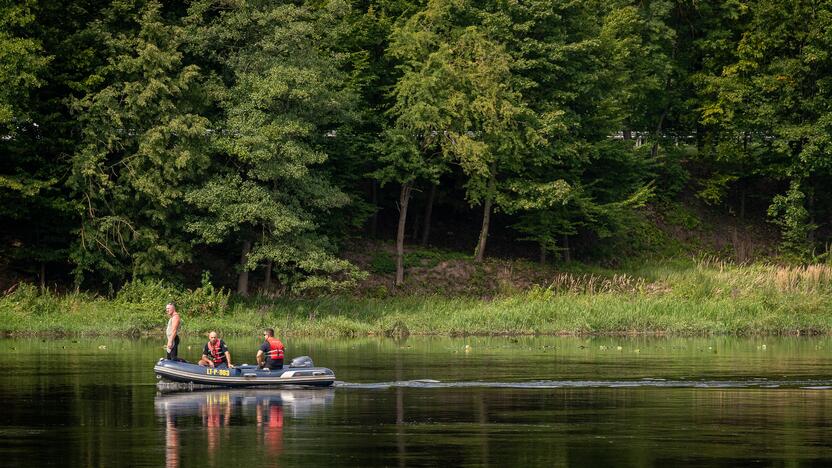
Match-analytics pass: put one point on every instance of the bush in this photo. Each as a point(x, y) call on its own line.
point(382, 263)
point(27, 298)
point(147, 292)
point(789, 212)
point(678, 214)
point(377, 292)
point(394, 325)
point(430, 258)
point(204, 300)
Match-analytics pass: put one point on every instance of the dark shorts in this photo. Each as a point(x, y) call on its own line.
point(174, 350)
point(273, 365)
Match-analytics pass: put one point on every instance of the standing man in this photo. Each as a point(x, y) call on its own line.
point(215, 353)
point(270, 354)
point(172, 332)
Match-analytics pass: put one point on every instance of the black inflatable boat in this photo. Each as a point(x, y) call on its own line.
point(301, 371)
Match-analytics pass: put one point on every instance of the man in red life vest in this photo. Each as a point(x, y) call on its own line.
point(215, 353)
point(270, 354)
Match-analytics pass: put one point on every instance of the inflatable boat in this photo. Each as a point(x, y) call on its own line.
point(301, 371)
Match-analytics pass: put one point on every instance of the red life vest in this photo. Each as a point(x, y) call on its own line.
point(214, 349)
point(275, 352)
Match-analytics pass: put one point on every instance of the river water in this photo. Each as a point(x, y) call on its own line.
point(545, 401)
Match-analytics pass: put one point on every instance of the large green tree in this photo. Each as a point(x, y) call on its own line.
point(22, 61)
point(584, 69)
point(283, 96)
point(143, 140)
point(774, 98)
point(457, 91)
point(25, 181)
point(364, 37)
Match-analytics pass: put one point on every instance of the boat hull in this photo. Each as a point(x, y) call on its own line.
point(242, 376)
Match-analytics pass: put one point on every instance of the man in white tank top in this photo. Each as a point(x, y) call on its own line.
point(172, 332)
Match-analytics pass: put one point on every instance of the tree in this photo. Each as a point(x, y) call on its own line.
point(790, 214)
point(457, 91)
point(774, 97)
point(410, 153)
point(22, 60)
point(282, 95)
point(364, 37)
point(585, 70)
point(29, 187)
point(142, 140)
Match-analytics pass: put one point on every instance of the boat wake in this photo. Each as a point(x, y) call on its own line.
point(642, 383)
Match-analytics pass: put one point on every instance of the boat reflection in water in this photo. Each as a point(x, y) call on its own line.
point(217, 412)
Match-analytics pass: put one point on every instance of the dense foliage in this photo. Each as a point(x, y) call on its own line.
point(147, 140)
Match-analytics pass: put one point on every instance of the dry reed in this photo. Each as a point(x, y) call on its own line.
point(596, 284)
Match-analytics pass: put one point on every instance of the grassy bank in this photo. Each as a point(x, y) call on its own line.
point(681, 298)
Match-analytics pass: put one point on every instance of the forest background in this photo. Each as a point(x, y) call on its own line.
point(160, 150)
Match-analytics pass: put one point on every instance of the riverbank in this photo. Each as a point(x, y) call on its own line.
point(670, 298)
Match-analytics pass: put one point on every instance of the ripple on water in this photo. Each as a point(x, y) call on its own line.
point(650, 382)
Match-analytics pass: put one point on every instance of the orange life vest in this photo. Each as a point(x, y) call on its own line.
point(275, 352)
point(214, 349)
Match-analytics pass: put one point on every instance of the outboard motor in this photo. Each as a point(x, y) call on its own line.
point(301, 361)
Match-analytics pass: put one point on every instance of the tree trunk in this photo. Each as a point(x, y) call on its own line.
point(654, 151)
point(404, 199)
point(742, 199)
point(242, 280)
point(479, 253)
point(700, 141)
point(542, 254)
point(414, 228)
point(811, 205)
point(745, 137)
point(42, 263)
point(739, 246)
point(567, 257)
point(374, 218)
point(267, 277)
point(428, 214)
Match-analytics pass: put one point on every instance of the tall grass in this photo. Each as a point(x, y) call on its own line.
point(694, 298)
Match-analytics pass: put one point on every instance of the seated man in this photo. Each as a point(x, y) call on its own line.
point(270, 354)
point(215, 353)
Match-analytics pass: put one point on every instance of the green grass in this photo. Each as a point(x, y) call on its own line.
point(676, 298)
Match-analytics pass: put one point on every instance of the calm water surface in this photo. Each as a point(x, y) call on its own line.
point(430, 401)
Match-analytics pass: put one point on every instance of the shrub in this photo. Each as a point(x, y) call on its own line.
point(429, 258)
point(382, 263)
point(203, 300)
point(790, 214)
point(394, 325)
point(28, 298)
point(147, 292)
